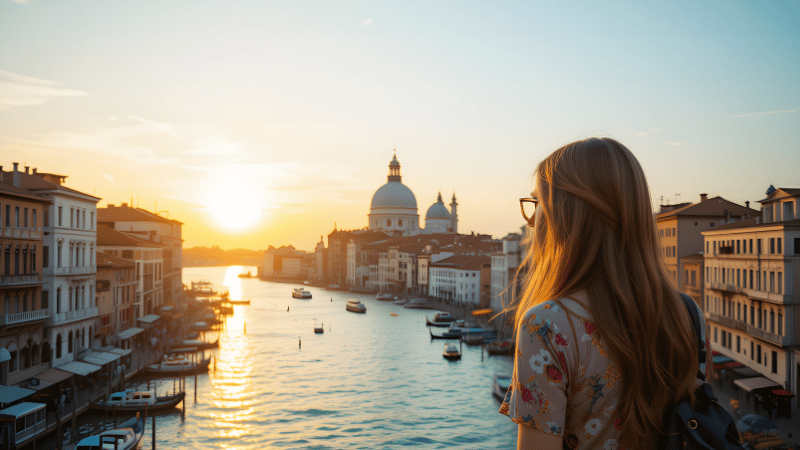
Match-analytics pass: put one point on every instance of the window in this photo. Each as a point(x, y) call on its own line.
point(771, 246)
point(16, 216)
point(751, 279)
point(758, 357)
point(780, 324)
point(738, 344)
point(738, 247)
point(58, 346)
point(60, 215)
point(45, 300)
point(8, 215)
point(772, 322)
point(46, 256)
point(780, 246)
point(774, 361)
point(715, 334)
point(758, 245)
point(780, 282)
point(71, 225)
point(771, 281)
point(797, 246)
point(35, 222)
point(751, 246)
point(25, 218)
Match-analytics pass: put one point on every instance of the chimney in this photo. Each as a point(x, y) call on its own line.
point(17, 180)
point(35, 171)
point(27, 169)
point(747, 203)
point(703, 197)
point(124, 205)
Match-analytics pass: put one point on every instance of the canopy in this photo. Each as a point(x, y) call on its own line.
point(782, 392)
point(149, 318)
point(49, 377)
point(80, 368)
point(11, 394)
point(21, 409)
point(129, 333)
point(751, 384)
point(121, 352)
point(745, 372)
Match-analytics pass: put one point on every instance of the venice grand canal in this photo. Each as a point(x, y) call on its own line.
point(370, 381)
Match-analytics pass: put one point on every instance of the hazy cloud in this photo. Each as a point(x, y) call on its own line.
point(765, 113)
point(366, 22)
point(108, 177)
point(19, 90)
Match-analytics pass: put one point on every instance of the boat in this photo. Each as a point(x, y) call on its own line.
point(384, 297)
point(417, 303)
point(355, 306)
point(319, 329)
point(175, 364)
point(199, 344)
point(446, 335)
point(500, 348)
point(203, 289)
point(500, 386)
point(239, 302)
point(472, 338)
point(201, 326)
point(451, 352)
point(399, 301)
point(127, 437)
point(301, 293)
point(133, 400)
point(442, 319)
point(246, 275)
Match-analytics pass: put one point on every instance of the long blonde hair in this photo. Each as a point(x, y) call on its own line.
point(597, 232)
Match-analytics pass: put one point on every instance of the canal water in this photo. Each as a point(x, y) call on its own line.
point(370, 381)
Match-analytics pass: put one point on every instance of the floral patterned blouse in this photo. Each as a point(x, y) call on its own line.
point(564, 381)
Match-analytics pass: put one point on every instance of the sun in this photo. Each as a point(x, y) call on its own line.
point(234, 205)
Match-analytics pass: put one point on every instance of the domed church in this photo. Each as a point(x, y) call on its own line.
point(394, 209)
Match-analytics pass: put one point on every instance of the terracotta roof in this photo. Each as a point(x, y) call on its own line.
point(754, 223)
point(125, 213)
point(104, 260)
point(109, 237)
point(35, 184)
point(9, 189)
point(714, 207)
point(780, 194)
point(464, 262)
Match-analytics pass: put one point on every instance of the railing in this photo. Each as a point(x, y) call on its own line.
point(84, 270)
point(71, 316)
point(10, 280)
point(30, 432)
point(727, 321)
point(27, 316)
point(783, 341)
point(726, 288)
point(22, 233)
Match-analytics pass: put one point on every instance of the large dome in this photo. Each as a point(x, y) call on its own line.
point(394, 194)
point(437, 211)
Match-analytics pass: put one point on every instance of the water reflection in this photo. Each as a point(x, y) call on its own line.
point(233, 282)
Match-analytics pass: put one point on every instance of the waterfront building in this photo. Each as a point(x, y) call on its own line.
point(462, 279)
point(680, 227)
point(116, 295)
point(155, 228)
point(24, 349)
point(752, 289)
point(504, 270)
point(284, 263)
point(148, 260)
point(338, 254)
point(68, 262)
point(692, 279)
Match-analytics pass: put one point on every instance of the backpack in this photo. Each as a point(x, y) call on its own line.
point(707, 426)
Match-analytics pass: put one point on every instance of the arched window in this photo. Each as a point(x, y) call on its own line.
point(69, 343)
point(58, 346)
point(13, 364)
point(25, 358)
point(36, 357)
point(780, 324)
point(772, 321)
point(46, 352)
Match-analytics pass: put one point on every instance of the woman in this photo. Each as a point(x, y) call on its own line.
point(604, 342)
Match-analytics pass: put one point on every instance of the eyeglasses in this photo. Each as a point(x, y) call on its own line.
point(528, 206)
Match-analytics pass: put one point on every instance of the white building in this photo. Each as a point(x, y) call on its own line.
point(459, 279)
point(752, 289)
point(69, 266)
point(504, 268)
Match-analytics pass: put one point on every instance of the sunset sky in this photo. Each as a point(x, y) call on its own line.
point(261, 123)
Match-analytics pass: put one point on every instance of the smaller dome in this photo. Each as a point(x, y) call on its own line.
point(438, 210)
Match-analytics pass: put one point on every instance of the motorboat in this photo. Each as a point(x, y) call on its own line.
point(500, 386)
point(319, 329)
point(500, 348)
point(442, 319)
point(301, 293)
point(451, 352)
point(199, 344)
point(133, 400)
point(399, 301)
point(356, 306)
point(417, 303)
point(384, 297)
point(176, 364)
point(127, 437)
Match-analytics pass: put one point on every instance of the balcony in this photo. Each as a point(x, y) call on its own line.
point(727, 321)
point(783, 341)
point(725, 287)
point(85, 270)
point(71, 316)
point(16, 280)
point(22, 233)
point(28, 316)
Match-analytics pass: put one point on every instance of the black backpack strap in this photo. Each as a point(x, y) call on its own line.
point(691, 306)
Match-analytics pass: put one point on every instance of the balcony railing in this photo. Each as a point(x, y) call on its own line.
point(12, 280)
point(783, 341)
point(22, 233)
point(84, 270)
point(727, 321)
point(725, 287)
point(28, 316)
point(72, 316)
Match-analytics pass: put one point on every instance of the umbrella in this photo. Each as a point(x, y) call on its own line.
point(756, 424)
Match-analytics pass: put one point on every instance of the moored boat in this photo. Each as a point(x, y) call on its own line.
point(319, 329)
point(133, 401)
point(198, 344)
point(239, 302)
point(441, 319)
point(178, 364)
point(451, 352)
point(356, 306)
point(384, 297)
point(500, 348)
point(301, 293)
point(500, 386)
point(453, 335)
point(127, 437)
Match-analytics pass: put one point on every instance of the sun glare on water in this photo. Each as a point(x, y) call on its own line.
point(234, 205)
